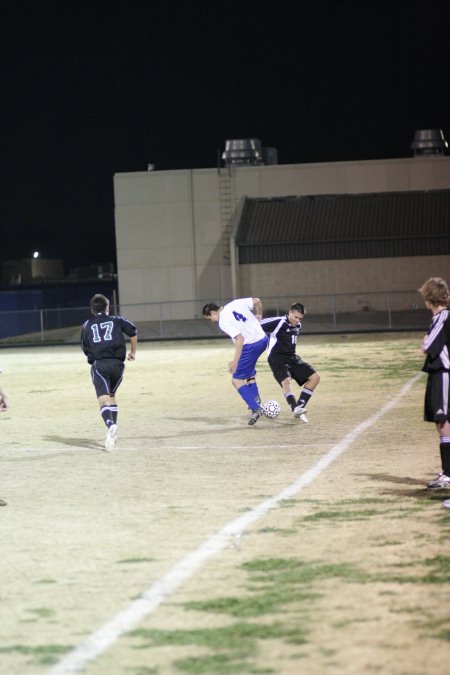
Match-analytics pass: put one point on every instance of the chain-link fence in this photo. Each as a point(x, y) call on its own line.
point(339, 313)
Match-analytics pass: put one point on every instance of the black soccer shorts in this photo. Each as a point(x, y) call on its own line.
point(284, 366)
point(107, 375)
point(437, 397)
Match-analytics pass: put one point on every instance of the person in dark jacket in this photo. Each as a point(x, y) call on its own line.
point(436, 346)
point(285, 364)
point(103, 342)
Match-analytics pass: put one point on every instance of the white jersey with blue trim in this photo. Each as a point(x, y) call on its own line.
point(237, 318)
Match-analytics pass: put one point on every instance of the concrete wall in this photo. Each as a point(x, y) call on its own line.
point(358, 278)
point(169, 232)
point(391, 175)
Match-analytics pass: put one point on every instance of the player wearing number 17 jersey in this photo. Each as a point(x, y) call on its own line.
point(237, 320)
point(103, 342)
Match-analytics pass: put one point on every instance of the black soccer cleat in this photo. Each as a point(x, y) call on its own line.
point(254, 417)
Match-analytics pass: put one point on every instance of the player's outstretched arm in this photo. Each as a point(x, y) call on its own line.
point(238, 346)
point(132, 353)
point(257, 304)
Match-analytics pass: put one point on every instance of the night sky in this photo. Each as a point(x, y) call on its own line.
point(94, 88)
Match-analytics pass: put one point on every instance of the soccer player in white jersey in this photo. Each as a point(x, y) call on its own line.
point(436, 346)
point(4, 405)
point(240, 320)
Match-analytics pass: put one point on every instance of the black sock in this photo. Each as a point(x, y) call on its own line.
point(290, 398)
point(445, 454)
point(107, 415)
point(114, 412)
point(304, 397)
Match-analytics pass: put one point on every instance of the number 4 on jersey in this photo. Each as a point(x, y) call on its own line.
point(239, 317)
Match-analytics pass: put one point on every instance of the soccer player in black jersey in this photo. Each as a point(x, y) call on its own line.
point(436, 346)
point(284, 362)
point(103, 342)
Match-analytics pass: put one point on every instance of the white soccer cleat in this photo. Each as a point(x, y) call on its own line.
point(299, 413)
point(300, 410)
point(111, 437)
point(441, 482)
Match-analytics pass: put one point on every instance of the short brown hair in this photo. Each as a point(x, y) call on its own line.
point(99, 303)
point(298, 307)
point(435, 291)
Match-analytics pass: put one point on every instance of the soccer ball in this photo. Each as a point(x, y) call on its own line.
point(271, 409)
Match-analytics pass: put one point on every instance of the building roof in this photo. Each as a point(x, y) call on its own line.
point(326, 227)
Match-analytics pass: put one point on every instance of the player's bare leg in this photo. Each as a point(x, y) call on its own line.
point(297, 410)
point(286, 386)
point(307, 391)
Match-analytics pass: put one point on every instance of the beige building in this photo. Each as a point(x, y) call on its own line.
point(175, 229)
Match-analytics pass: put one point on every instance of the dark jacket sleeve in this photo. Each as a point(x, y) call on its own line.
point(127, 327)
point(268, 325)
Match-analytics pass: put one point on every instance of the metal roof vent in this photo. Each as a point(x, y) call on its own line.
point(270, 156)
point(428, 142)
point(243, 152)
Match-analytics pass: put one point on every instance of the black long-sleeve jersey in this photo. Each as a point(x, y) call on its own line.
point(102, 337)
point(437, 343)
point(283, 335)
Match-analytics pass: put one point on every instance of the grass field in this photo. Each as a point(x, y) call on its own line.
point(202, 545)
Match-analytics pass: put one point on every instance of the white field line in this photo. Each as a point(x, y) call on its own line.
point(290, 446)
point(125, 620)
